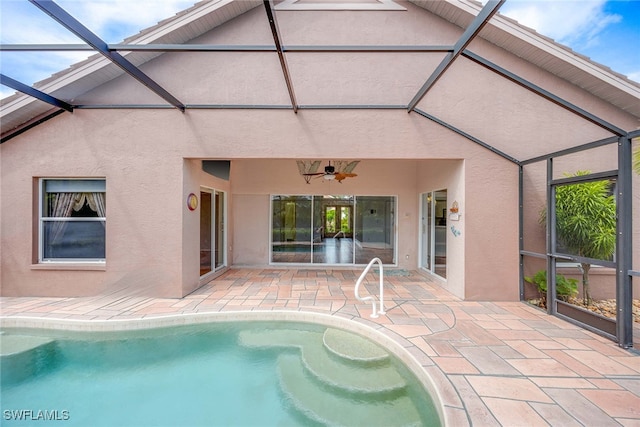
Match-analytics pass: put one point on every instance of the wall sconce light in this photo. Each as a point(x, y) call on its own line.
point(454, 215)
point(192, 202)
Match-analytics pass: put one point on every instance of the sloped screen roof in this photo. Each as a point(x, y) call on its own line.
point(431, 80)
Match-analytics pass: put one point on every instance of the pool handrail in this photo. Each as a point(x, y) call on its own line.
point(374, 314)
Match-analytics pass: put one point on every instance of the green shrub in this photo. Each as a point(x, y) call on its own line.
point(565, 288)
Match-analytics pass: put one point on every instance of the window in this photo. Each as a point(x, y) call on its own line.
point(72, 220)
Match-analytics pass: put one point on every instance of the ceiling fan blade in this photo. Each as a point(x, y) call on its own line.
point(340, 176)
point(313, 174)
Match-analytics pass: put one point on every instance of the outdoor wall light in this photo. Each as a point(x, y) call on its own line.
point(192, 202)
point(454, 215)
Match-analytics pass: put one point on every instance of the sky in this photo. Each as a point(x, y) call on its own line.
point(608, 32)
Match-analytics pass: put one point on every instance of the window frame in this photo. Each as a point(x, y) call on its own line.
point(42, 219)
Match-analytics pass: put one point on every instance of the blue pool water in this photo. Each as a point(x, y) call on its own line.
point(190, 375)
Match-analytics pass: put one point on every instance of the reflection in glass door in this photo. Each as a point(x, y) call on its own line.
point(212, 231)
point(291, 232)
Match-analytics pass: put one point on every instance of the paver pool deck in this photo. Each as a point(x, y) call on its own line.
point(494, 363)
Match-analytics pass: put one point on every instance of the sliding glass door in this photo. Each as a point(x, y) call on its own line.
point(433, 232)
point(332, 229)
point(212, 231)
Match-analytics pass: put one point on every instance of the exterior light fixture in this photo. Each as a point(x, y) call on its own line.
point(454, 215)
point(192, 202)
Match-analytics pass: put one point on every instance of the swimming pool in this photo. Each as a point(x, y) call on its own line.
point(223, 373)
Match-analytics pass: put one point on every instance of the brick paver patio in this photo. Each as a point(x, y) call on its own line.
point(494, 363)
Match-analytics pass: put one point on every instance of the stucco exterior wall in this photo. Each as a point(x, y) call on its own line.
point(143, 196)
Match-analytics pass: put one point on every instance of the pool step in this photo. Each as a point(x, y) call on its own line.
point(337, 359)
point(23, 356)
point(325, 406)
point(355, 379)
point(338, 378)
point(11, 344)
point(353, 348)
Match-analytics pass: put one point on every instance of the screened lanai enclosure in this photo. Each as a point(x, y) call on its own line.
point(489, 158)
point(582, 201)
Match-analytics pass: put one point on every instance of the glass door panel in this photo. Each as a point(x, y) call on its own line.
point(440, 235)
point(319, 229)
point(374, 230)
point(206, 217)
point(426, 247)
point(292, 235)
point(219, 238)
point(336, 244)
point(433, 232)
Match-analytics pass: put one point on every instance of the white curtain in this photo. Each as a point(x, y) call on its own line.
point(96, 203)
point(64, 204)
point(61, 207)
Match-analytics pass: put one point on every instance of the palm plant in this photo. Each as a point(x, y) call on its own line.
point(586, 222)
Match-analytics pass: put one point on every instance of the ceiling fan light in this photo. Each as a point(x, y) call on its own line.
point(329, 177)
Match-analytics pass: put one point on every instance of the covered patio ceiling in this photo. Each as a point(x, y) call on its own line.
point(66, 91)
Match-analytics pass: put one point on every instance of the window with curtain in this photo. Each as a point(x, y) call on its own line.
point(72, 220)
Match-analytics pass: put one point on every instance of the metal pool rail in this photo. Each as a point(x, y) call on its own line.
point(374, 313)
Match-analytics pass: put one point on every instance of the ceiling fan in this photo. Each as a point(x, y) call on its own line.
point(330, 173)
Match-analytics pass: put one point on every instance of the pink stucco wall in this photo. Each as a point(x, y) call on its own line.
point(152, 238)
point(151, 158)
